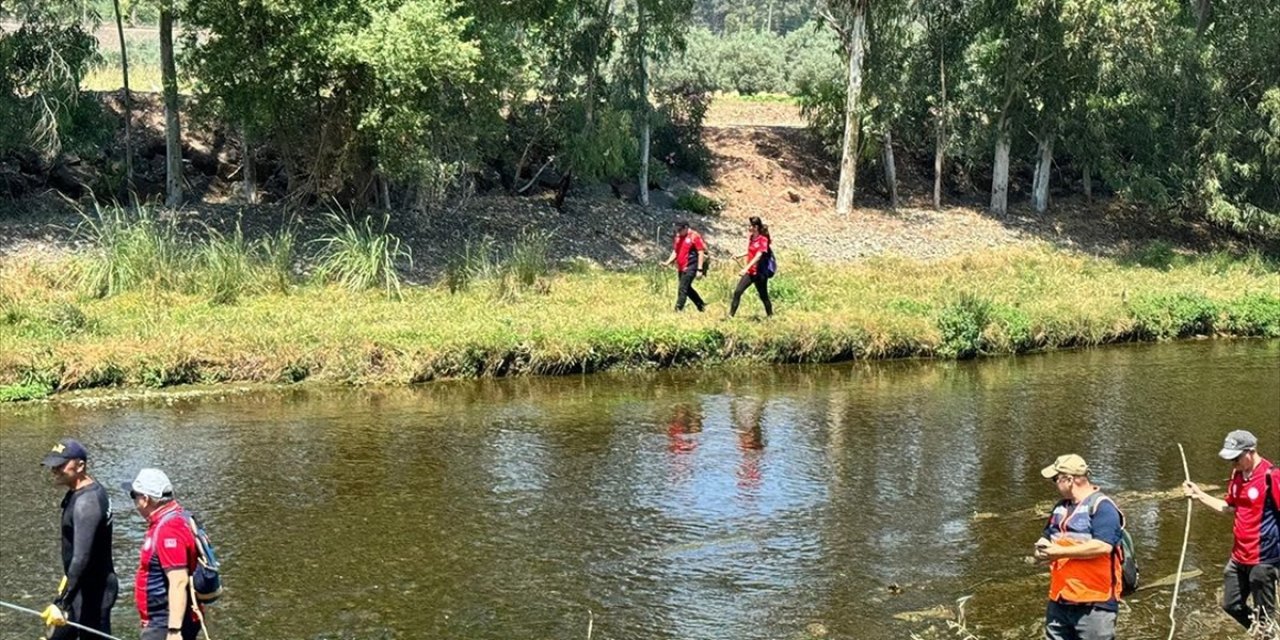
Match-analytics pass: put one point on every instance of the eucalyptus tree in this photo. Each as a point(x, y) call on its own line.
point(657, 32)
point(42, 62)
point(849, 19)
point(172, 123)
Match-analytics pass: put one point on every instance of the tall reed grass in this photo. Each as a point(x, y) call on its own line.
point(361, 256)
point(138, 249)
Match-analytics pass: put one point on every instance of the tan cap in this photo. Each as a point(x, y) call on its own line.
point(1070, 464)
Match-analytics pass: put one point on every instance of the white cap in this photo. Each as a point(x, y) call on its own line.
point(150, 482)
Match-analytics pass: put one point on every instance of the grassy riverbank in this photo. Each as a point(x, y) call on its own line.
point(54, 336)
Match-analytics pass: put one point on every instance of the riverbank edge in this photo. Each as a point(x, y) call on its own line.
point(969, 325)
point(15, 396)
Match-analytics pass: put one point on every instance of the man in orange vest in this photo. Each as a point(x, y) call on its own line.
point(1078, 543)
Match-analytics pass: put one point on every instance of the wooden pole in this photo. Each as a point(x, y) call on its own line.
point(1182, 558)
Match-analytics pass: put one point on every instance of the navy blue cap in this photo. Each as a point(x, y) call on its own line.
point(66, 449)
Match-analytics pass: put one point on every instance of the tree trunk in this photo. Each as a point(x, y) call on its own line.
point(250, 186)
point(1088, 183)
point(644, 107)
point(1040, 185)
point(384, 192)
point(133, 13)
point(940, 145)
point(172, 128)
point(849, 147)
point(128, 102)
point(890, 173)
point(1000, 171)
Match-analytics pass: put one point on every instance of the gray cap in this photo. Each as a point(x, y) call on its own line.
point(1237, 442)
point(150, 482)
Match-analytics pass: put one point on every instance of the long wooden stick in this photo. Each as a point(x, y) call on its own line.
point(1186, 534)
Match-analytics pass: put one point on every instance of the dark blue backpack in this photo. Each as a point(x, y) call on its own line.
point(768, 264)
point(206, 579)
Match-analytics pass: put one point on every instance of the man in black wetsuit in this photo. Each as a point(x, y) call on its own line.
point(90, 586)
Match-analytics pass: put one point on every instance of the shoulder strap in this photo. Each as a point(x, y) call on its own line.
point(1273, 486)
point(1093, 508)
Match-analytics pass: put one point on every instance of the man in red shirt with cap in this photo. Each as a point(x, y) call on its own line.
point(687, 244)
point(1253, 500)
point(168, 559)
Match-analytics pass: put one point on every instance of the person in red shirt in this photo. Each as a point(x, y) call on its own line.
point(1253, 500)
point(755, 271)
point(168, 559)
point(687, 244)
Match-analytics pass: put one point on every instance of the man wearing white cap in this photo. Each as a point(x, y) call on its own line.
point(168, 559)
point(1253, 500)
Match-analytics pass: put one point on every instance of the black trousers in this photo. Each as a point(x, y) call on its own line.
point(687, 291)
point(90, 607)
point(190, 630)
point(1241, 580)
point(762, 289)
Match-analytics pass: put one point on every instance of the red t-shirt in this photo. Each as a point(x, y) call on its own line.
point(756, 246)
point(684, 247)
point(169, 544)
point(1257, 521)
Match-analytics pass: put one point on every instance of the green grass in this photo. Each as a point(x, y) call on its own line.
point(361, 255)
point(588, 319)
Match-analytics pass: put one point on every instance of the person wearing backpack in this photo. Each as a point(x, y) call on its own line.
point(1253, 501)
point(759, 267)
point(168, 559)
point(1079, 543)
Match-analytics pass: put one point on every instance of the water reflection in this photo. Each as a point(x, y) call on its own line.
point(726, 504)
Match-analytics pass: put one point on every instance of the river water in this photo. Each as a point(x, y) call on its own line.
point(843, 501)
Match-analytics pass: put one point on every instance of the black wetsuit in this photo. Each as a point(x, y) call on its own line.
point(86, 560)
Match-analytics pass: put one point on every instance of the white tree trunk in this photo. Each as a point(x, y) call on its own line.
point(172, 127)
point(1088, 183)
point(128, 101)
point(1040, 185)
point(890, 173)
point(940, 145)
point(849, 148)
point(644, 108)
point(250, 186)
point(1000, 172)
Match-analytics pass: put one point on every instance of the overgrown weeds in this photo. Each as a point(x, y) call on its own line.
point(134, 249)
point(594, 319)
point(523, 266)
point(361, 256)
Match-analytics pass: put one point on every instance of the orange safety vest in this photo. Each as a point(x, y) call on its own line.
point(1081, 580)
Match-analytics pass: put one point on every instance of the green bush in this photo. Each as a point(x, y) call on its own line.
point(961, 324)
point(1009, 330)
point(1177, 315)
point(753, 62)
point(677, 134)
point(695, 202)
point(1158, 254)
point(1254, 315)
point(68, 318)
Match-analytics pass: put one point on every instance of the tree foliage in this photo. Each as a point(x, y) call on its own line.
point(1168, 103)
